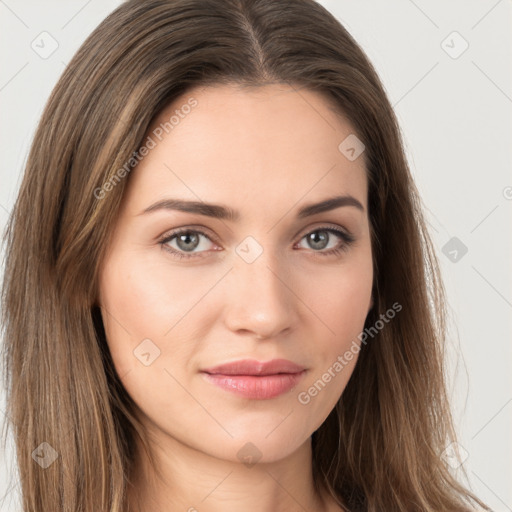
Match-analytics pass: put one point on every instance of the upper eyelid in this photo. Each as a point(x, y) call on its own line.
point(177, 231)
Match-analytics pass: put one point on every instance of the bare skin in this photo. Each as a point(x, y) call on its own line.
point(265, 153)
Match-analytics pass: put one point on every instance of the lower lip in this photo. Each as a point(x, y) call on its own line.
point(256, 387)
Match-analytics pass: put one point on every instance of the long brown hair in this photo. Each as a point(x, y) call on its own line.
point(381, 448)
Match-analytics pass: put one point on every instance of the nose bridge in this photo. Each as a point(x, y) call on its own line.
point(260, 298)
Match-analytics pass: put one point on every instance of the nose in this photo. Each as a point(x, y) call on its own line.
point(260, 301)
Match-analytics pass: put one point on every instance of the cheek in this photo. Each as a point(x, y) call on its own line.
point(132, 308)
point(340, 303)
point(143, 297)
point(340, 299)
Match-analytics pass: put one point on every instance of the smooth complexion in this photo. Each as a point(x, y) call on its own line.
point(265, 153)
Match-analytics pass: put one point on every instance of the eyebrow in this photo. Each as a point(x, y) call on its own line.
point(219, 211)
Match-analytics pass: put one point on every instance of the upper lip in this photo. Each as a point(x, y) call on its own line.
point(253, 367)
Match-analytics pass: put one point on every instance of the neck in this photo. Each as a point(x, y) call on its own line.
point(193, 481)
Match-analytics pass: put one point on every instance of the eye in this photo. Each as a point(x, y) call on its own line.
point(320, 238)
point(188, 240)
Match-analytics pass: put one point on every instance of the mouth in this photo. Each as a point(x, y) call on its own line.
point(256, 380)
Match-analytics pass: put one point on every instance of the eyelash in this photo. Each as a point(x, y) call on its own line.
point(345, 245)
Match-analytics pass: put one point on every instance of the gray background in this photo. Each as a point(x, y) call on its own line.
point(454, 108)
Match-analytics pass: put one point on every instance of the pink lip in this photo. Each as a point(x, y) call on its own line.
point(254, 379)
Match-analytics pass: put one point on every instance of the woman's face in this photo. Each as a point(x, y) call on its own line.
point(264, 283)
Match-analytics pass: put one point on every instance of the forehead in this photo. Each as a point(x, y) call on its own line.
point(273, 144)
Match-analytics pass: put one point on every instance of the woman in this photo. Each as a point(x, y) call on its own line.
point(200, 166)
